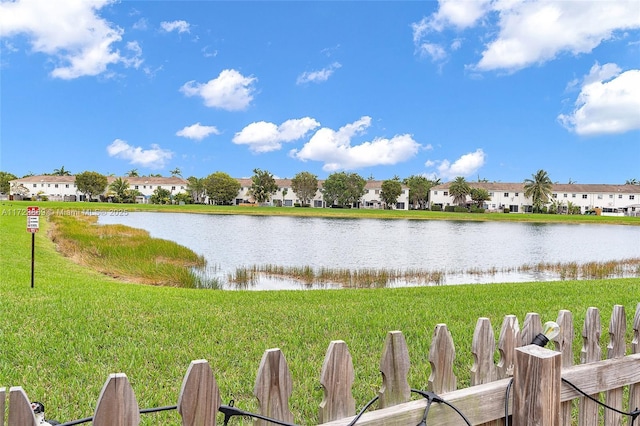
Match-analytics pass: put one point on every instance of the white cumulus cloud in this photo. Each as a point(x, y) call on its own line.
point(197, 131)
point(318, 76)
point(154, 158)
point(180, 26)
point(609, 102)
point(262, 136)
point(526, 33)
point(335, 150)
point(71, 32)
point(466, 165)
point(230, 91)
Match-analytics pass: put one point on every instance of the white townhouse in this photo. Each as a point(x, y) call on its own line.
point(286, 197)
point(611, 199)
point(63, 188)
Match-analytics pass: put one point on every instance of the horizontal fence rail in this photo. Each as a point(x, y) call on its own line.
point(544, 384)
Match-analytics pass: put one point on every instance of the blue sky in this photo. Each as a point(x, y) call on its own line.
point(489, 89)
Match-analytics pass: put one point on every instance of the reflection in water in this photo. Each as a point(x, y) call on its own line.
point(463, 252)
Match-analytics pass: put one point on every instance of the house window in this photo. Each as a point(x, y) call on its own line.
point(506, 194)
point(584, 196)
point(573, 195)
point(445, 193)
point(136, 187)
point(610, 196)
point(435, 192)
point(35, 185)
point(599, 196)
point(491, 194)
point(377, 191)
point(620, 196)
point(565, 195)
point(66, 186)
point(554, 195)
point(631, 197)
point(173, 188)
point(56, 185)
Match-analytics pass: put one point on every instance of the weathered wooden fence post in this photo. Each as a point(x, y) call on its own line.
point(442, 353)
point(117, 404)
point(20, 411)
point(394, 366)
point(273, 387)
point(199, 398)
point(590, 352)
point(634, 390)
point(615, 349)
point(564, 344)
point(337, 378)
point(536, 385)
point(3, 399)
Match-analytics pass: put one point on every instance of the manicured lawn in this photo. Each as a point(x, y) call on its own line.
point(61, 339)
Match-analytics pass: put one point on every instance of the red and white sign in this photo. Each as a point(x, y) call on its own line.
point(33, 219)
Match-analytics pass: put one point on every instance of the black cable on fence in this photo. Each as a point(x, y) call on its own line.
point(633, 414)
point(141, 411)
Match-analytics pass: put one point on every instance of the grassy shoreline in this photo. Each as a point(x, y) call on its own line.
point(61, 339)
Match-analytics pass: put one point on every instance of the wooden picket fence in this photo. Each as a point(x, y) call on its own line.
point(533, 374)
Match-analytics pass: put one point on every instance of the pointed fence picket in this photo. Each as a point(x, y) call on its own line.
point(538, 396)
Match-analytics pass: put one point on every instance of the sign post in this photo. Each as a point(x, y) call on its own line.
point(33, 225)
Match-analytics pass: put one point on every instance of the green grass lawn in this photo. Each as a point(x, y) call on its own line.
point(61, 339)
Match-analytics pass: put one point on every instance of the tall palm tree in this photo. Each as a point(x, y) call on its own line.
point(538, 189)
point(61, 172)
point(459, 189)
point(133, 173)
point(120, 187)
point(176, 172)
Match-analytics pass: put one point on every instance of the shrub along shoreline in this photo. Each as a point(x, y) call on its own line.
point(61, 339)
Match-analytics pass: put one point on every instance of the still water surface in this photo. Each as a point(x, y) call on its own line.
point(457, 247)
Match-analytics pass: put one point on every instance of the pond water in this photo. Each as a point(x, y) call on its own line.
point(461, 251)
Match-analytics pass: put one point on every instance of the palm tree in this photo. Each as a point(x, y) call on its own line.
point(133, 173)
point(120, 186)
point(61, 172)
point(459, 189)
point(176, 172)
point(538, 189)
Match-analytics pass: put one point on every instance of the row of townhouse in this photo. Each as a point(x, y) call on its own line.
point(63, 188)
point(610, 199)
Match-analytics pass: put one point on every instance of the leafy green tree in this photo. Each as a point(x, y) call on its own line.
point(305, 186)
point(160, 196)
point(419, 187)
point(459, 189)
point(221, 188)
point(133, 173)
point(479, 196)
point(390, 191)
point(538, 189)
point(5, 177)
point(196, 188)
point(119, 186)
point(263, 185)
point(61, 172)
point(632, 182)
point(343, 189)
point(91, 184)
